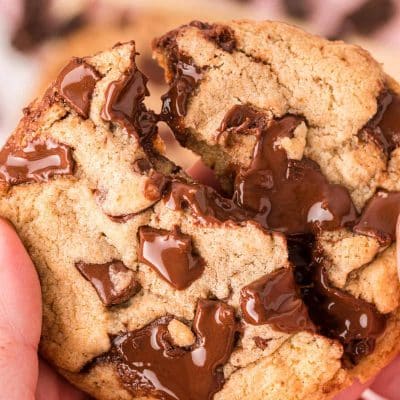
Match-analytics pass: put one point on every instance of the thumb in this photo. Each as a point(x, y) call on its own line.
point(20, 318)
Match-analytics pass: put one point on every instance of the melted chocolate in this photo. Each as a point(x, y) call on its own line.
point(379, 217)
point(338, 315)
point(204, 203)
point(384, 127)
point(37, 162)
point(240, 119)
point(76, 83)
point(150, 364)
point(186, 75)
point(274, 299)
point(287, 195)
point(186, 78)
point(113, 281)
point(155, 185)
point(124, 105)
point(170, 254)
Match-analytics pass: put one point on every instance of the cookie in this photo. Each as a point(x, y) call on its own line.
point(280, 285)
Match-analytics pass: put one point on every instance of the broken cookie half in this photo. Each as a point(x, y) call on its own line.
point(156, 285)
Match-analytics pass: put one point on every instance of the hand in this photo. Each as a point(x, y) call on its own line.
point(22, 374)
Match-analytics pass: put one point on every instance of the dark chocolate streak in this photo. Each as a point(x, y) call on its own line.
point(124, 105)
point(293, 197)
point(274, 299)
point(379, 217)
point(149, 363)
point(75, 84)
point(38, 161)
point(113, 281)
point(384, 127)
point(170, 254)
point(338, 315)
point(185, 74)
point(281, 194)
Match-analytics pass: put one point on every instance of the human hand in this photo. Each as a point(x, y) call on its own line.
point(22, 375)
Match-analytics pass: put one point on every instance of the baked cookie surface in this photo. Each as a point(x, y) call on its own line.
point(281, 285)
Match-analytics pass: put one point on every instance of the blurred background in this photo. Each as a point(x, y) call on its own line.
point(37, 37)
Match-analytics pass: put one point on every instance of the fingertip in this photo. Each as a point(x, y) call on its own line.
point(20, 317)
point(386, 383)
point(353, 392)
point(20, 298)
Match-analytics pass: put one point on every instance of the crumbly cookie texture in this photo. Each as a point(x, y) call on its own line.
point(280, 69)
point(153, 283)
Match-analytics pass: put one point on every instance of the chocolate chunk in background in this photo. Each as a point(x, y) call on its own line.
point(76, 83)
point(300, 9)
point(150, 364)
point(170, 254)
point(38, 161)
point(113, 281)
point(370, 17)
point(37, 24)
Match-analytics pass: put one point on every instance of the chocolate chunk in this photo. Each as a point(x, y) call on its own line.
point(170, 254)
point(149, 364)
point(275, 299)
point(356, 323)
point(384, 127)
point(337, 315)
point(186, 75)
point(223, 36)
point(155, 185)
point(76, 83)
point(124, 105)
point(287, 195)
point(204, 203)
point(370, 17)
point(379, 217)
point(183, 79)
point(113, 281)
point(38, 161)
point(186, 78)
point(240, 119)
point(301, 9)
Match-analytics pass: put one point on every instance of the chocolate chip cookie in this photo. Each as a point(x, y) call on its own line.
point(280, 285)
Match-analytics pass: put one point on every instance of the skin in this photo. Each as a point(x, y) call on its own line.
point(24, 376)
